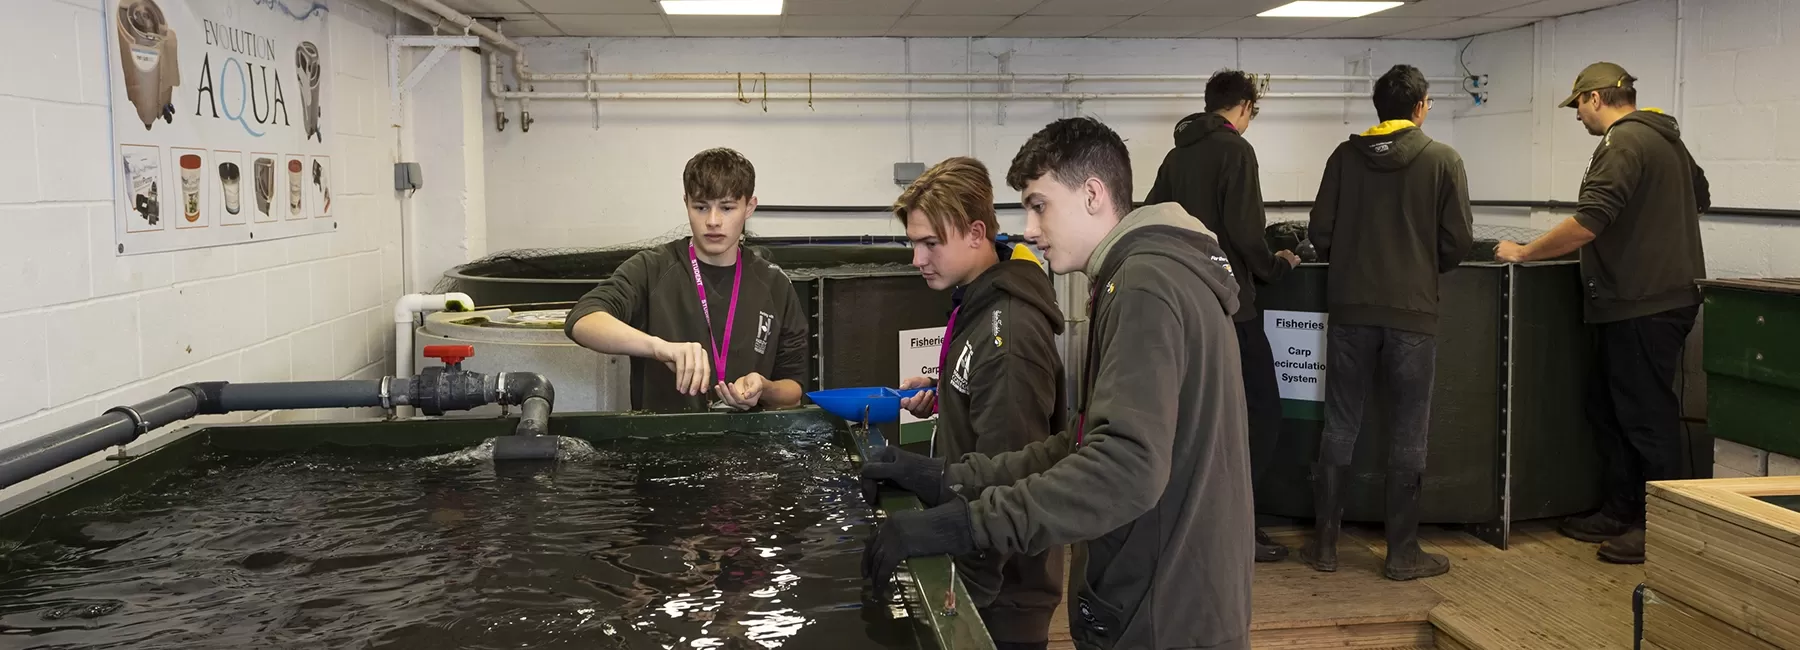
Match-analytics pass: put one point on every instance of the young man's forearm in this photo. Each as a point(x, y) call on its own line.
point(781, 393)
point(1565, 238)
point(606, 334)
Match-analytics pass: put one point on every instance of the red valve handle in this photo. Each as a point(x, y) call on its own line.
point(450, 355)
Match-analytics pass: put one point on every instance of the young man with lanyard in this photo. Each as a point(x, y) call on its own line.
point(1637, 226)
point(660, 305)
point(1000, 385)
point(1212, 173)
point(1152, 485)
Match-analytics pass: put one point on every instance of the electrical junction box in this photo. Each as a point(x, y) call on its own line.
point(907, 172)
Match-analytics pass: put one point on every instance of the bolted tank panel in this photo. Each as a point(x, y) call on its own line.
point(529, 338)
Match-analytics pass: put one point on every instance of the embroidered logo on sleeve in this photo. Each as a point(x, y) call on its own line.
point(765, 324)
point(960, 378)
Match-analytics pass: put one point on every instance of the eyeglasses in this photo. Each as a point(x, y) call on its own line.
point(1427, 102)
point(1254, 110)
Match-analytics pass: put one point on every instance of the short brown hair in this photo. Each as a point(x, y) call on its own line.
point(954, 193)
point(1072, 150)
point(718, 174)
point(1618, 96)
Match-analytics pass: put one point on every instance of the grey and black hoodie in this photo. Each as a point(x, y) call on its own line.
point(1391, 216)
point(1000, 390)
point(1642, 198)
point(1153, 483)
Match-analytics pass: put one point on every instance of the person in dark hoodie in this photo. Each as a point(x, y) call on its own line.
point(658, 306)
point(1152, 483)
point(1637, 225)
point(1001, 377)
point(1391, 216)
point(1212, 173)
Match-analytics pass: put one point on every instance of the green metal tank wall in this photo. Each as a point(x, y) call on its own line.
point(1490, 315)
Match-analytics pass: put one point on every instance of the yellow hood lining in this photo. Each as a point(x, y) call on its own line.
point(1389, 126)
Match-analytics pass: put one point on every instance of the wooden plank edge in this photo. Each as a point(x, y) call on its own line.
point(1666, 619)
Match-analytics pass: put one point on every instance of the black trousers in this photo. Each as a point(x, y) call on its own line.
point(1262, 395)
point(1406, 365)
point(1633, 407)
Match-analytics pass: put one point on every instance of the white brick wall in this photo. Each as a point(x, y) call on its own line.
point(85, 330)
point(567, 184)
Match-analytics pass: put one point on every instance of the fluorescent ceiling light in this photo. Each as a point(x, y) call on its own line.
point(722, 7)
point(1320, 9)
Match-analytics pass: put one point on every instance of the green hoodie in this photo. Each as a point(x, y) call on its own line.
point(654, 292)
point(1392, 214)
point(1642, 198)
point(1002, 390)
point(1153, 485)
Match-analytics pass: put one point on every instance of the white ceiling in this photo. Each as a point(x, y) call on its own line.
point(1425, 19)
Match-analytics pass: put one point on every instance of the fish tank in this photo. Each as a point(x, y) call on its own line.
point(707, 530)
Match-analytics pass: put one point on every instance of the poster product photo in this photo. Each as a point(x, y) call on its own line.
point(191, 182)
point(295, 171)
point(231, 195)
point(265, 188)
point(225, 129)
point(143, 182)
point(148, 56)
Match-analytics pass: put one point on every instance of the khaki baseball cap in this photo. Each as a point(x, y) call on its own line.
point(1598, 76)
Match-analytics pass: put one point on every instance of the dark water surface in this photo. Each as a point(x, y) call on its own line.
point(695, 541)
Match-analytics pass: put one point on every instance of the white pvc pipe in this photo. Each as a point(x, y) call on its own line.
point(406, 309)
point(904, 96)
point(924, 76)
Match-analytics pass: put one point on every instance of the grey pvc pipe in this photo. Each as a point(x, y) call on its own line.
point(534, 417)
point(301, 395)
point(71, 443)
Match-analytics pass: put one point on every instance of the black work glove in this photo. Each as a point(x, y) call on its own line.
point(916, 473)
point(943, 530)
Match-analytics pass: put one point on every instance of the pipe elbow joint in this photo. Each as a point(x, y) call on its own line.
point(523, 386)
point(535, 396)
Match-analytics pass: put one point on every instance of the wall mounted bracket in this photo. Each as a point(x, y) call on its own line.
point(440, 45)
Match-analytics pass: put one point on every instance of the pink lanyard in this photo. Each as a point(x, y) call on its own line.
point(720, 350)
point(944, 352)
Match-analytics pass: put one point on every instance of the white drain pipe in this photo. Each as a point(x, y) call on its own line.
point(406, 312)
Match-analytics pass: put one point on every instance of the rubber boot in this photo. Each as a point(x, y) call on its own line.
point(1405, 560)
point(1328, 518)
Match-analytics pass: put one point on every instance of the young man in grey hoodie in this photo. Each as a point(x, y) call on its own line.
point(1152, 485)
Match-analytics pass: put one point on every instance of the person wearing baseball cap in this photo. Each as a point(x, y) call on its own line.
point(1637, 224)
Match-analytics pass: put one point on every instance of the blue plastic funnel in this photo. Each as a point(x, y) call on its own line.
point(882, 403)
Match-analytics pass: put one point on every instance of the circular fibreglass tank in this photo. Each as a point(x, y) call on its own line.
point(858, 297)
point(529, 337)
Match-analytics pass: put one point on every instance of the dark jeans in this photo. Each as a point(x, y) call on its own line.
point(1405, 364)
point(1262, 395)
point(1633, 407)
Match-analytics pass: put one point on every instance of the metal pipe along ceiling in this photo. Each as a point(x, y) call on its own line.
point(904, 96)
point(928, 76)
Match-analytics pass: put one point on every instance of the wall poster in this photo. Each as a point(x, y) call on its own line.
point(220, 122)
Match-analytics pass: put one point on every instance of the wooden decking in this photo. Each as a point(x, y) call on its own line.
point(1545, 593)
